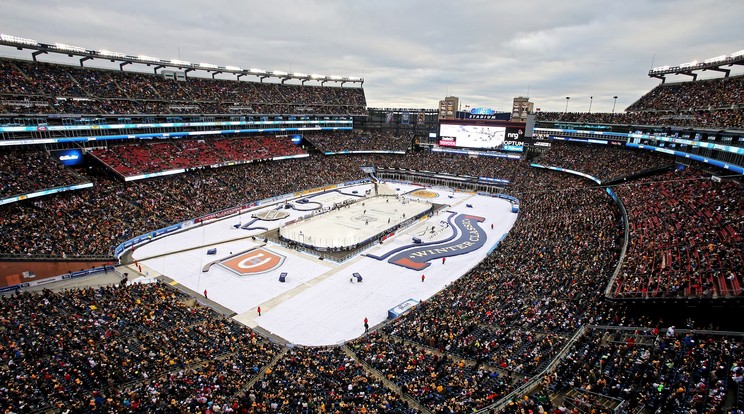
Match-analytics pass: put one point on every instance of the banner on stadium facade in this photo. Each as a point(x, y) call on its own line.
point(145, 237)
point(57, 278)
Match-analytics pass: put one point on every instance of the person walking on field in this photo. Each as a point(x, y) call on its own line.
point(423, 277)
point(366, 325)
point(205, 294)
point(259, 311)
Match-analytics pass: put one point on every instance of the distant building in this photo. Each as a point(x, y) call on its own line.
point(521, 108)
point(448, 107)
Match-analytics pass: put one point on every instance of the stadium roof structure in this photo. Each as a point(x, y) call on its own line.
point(85, 54)
point(688, 68)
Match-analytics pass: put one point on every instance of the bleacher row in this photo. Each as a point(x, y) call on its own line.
point(35, 87)
point(129, 160)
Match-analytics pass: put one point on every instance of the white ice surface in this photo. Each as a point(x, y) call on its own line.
point(318, 305)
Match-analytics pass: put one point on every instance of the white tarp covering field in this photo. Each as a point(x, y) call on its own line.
point(320, 303)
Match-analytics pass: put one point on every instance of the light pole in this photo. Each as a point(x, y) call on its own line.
point(613, 105)
point(591, 98)
point(567, 99)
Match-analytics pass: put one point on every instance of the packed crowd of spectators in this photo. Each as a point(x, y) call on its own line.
point(515, 309)
point(24, 172)
point(731, 118)
point(135, 159)
point(463, 349)
point(602, 163)
point(322, 380)
point(93, 221)
point(439, 382)
point(80, 223)
point(717, 93)
point(137, 348)
point(455, 164)
point(98, 91)
point(676, 373)
point(710, 103)
point(137, 107)
point(685, 237)
point(355, 141)
point(144, 349)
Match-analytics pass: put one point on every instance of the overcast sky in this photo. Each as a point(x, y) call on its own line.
point(411, 53)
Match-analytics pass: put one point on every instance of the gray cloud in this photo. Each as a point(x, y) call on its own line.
point(413, 52)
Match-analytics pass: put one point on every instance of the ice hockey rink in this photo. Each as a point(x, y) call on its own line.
point(321, 302)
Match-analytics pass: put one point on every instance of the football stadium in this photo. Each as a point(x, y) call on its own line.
point(182, 237)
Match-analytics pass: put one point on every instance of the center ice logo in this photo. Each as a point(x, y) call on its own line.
point(254, 262)
point(425, 194)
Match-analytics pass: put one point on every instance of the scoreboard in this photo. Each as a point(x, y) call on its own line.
point(488, 135)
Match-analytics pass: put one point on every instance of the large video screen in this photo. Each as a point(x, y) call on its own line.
point(481, 136)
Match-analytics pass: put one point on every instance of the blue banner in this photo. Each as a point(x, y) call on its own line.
point(165, 135)
point(44, 192)
point(145, 237)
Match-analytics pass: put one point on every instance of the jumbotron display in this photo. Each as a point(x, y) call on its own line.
point(481, 137)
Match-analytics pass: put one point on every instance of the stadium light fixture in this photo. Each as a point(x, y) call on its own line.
point(278, 73)
point(316, 76)
point(207, 66)
point(737, 54)
point(68, 48)
point(257, 71)
point(148, 58)
point(354, 79)
point(108, 53)
point(235, 68)
point(716, 59)
point(660, 68)
point(335, 77)
point(180, 62)
point(299, 75)
point(613, 105)
point(19, 40)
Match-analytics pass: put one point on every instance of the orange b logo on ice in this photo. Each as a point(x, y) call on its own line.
point(254, 262)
